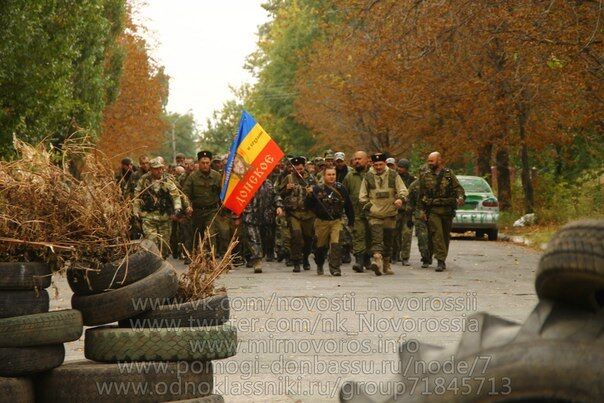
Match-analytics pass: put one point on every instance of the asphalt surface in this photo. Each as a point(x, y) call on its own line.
point(302, 335)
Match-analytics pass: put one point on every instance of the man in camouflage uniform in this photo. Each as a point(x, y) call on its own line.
point(329, 201)
point(202, 187)
point(125, 178)
point(300, 219)
point(158, 201)
point(282, 234)
point(382, 194)
point(439, 195)
point(402, 236)
point(415, 221)
point(254, 218)
point(361, 236)
point(342, 169)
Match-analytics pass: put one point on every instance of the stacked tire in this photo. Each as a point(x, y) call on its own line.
point(31, 337)
point(161, 348)
point(557, 354)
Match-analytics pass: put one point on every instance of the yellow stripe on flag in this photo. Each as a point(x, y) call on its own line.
point(253, 144)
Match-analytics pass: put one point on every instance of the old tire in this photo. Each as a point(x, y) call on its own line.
point(41, 329)
point(211, 311)
point(22, 302)
point(30, 360)
point(128, 301)
point(85, 381)
point(18, 390)
point(112, 344)
point(494, 349)
point(572, 267)
point(144, 260)
point(24, 275)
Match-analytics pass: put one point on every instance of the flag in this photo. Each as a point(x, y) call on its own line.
point(253, 156)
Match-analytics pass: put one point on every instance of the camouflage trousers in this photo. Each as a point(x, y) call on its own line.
point(382, 235)
point(423, 243)
point(268, 239)
point(253, 242)
point(282, 237)
point(158, 228)
point(398, 246)
point(328, 236)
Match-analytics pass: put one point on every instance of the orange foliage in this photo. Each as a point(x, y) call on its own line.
point(133, 124)
point(399, 75)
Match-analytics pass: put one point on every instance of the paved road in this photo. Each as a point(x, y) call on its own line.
point(302, 335)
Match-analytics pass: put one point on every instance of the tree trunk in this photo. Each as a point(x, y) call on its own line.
point(484, 161)
point(527, 182)
point(504, 185)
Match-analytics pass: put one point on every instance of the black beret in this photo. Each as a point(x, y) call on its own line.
point(298, 161)
point(204, 154)
point(379, 157)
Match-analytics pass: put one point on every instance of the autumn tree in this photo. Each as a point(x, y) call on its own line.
point(134, 124)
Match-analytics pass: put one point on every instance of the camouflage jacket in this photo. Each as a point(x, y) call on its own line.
point(262, 209)
point(203, 190)
point(293, 199)
point(439, 192)
point(330, 202)
point(158, 196)
point(352, 184)
point(127, 183)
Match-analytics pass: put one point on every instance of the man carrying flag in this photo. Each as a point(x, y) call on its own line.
point(252, 158)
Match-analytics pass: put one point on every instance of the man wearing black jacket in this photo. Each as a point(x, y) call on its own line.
point(329, 201)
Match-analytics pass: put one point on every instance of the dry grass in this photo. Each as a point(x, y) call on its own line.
point(49, 213)
point(198, 282)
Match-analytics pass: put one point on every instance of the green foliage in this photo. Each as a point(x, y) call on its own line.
point(59, 65)
point(222, 127)
point(283, 47)
point(185, 134)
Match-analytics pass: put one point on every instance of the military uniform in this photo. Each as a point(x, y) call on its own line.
point(203, 191)
point(377, 195)
point(158, 200)
point(254, 219)
point(361, 236)
point(299, 218)
point(438, 195)
point(421, 227)
point(402, 235)
point(329, 203)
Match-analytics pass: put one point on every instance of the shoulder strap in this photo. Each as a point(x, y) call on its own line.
point(370, 179)
point(392, 179)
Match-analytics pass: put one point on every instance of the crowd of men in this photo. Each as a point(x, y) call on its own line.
point(335, 209)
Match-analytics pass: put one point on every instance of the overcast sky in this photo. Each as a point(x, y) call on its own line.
point(203, 45)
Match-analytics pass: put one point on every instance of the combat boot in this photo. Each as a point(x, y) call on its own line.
point(288, 262)
point(425, 264)
point(406, 262)
point(306, 263)
point(440, 266)
point(367, 262)
point(296, 267)
point(387, 268)
point(335, 271)
point(377, 263)
point(320, 254)
point(346, 255)
point(257, 268)
point(359, 260)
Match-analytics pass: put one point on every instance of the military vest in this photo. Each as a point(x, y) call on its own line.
point(331, 199)
point(157, 200)
point(370, 180)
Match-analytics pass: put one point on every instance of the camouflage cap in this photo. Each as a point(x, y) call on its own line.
point(390, 161)
point(328, 155)
point(339, 156)
point(157, 162)
point(404, 163)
